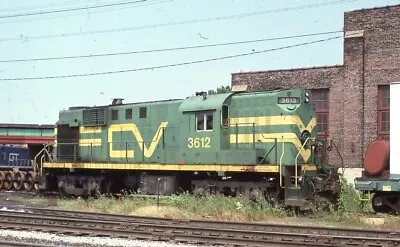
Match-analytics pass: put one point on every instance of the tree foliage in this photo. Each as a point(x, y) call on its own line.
point(221, 89)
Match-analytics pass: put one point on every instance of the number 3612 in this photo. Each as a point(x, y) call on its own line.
point(199, 142)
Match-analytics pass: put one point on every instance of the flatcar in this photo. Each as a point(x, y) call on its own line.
point(243, 144)
point(16, 168)
point(380, 179)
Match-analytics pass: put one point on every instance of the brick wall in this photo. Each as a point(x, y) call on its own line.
point(371, 58)
point(380, 44)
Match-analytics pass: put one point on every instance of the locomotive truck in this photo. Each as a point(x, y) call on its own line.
point(380, 179)
point(244, 144)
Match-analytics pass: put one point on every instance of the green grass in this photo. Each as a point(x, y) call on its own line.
point(183, 205)
point(349, 211)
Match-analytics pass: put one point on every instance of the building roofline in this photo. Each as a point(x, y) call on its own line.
point(292, 69)
point(27, 126)
point(373, 8)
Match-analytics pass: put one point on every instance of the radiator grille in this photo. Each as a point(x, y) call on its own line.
point(94, 117)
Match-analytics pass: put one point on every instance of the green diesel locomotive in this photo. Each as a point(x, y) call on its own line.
point(237, 144)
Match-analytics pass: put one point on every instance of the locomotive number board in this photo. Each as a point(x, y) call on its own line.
point(288, 100)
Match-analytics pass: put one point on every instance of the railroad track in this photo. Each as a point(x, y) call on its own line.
point(21, 244)
point(80, 223)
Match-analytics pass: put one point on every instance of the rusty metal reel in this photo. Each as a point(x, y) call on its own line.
point(19, 178)
point(1, 179)
point(8, 180)
point(29, 181)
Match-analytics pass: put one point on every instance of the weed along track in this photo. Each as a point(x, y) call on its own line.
point(78, 223)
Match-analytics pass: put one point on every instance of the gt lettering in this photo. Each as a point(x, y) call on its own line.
point(203, 142)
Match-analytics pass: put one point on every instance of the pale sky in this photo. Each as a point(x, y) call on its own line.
point(147, 27)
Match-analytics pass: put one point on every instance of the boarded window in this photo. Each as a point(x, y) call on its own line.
point(204, 121)
point(320, 101)
point(383, 112)
point(142, 112)
point(225, 116)
point(128, 114)
point(114, 115)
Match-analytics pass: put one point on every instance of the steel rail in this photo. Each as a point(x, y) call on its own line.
point(11, 243)
point(289, 228)
point(183, 233)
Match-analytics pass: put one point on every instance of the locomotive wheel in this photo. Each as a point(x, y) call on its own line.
point(256, 194)
point(378, 204)
point(19, 178)
point(1, 179)
point(29, 181)
point(93, 186)
point(8, 180)
point(35, 186)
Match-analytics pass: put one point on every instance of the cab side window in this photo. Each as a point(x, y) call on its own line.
point(225, 116)
point(204, 121)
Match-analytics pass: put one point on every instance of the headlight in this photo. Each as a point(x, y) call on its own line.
point(300, 179)
point(306, 100)
point(307, 94)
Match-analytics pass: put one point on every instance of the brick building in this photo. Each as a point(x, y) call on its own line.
point(351, 100)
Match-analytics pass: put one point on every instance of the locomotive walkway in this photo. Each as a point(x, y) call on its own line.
point(79, 223)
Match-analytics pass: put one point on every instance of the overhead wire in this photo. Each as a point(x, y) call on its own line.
point(72, 9)
point(159, 25)
point(43, 5)
point(168, 65)
point(167, 49)
point(85, 13)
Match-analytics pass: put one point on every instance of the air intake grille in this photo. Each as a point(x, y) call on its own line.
point(94, 117)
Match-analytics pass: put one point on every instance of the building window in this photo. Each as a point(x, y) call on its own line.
point(204, 121)
point(114, 115)
point(320, 102)
point(128, 113)
point(383, 112)
point(142, 112)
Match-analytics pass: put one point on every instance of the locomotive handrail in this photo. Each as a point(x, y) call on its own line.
point(68, 155)
point(75, 156)
point(280, 163)
point(340, 155)
point(275, 146)
point(41, 162)
point(296, 163)
point(42, 152)
point(236, 126)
